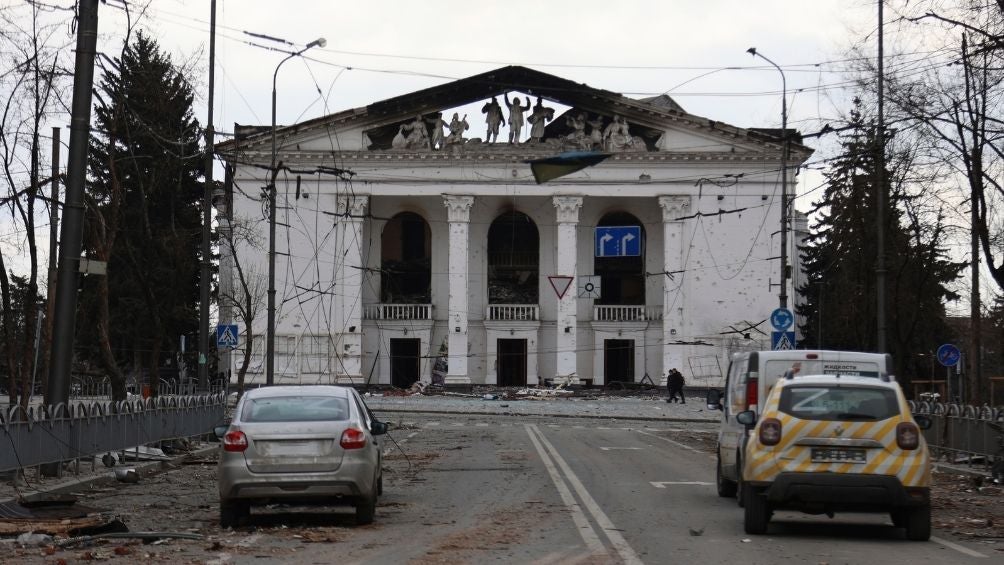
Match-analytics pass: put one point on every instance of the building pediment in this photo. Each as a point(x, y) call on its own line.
point(592, 119)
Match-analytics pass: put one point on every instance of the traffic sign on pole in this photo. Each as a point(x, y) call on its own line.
point(949, 355)
point(226, 335)
point(782, 341)
point(781, 319)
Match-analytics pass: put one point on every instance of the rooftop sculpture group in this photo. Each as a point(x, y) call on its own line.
point(587, 132)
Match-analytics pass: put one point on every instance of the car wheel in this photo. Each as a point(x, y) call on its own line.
point(726, 488)
point(898, 518)
point(366, 509)
point(231, 513)
point(918, 523)
point(756, 511)
point(740, 487)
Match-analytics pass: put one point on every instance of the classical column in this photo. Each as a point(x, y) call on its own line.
point(458, 209)
point(567, 250)
point(672, 285)
point(348, 288)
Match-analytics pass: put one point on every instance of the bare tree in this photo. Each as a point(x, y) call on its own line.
point(32, 92)
point(248, 296)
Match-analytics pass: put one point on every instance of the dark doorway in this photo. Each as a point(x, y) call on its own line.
point(405, 368)
point(512, 362)
point(618, 360)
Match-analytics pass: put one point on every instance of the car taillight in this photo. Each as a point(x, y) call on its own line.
point(235, 441)
point(353, 439)
point(907, 435)
point(751, 393)
point(770, 431)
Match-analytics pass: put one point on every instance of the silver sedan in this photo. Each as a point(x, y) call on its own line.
point(300, 445)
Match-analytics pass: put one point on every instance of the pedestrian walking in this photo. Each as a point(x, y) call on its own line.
point(675, 382)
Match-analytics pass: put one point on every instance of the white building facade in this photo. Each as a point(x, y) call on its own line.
point(410, 250)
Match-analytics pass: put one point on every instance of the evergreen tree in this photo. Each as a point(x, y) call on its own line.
point(144, 215)
point(840, 257)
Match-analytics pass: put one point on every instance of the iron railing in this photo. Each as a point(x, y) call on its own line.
point(43, 434)
point(963, 434)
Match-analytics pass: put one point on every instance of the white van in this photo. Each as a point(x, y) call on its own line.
point(750, 377)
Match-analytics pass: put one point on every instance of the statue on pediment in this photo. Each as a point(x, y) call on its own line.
point(457, 128)
point(578, 137)
point(493, 117)
point(617, 137)
point(415, 135)
point(516, 116)
point(438, 123)
point(538, 119)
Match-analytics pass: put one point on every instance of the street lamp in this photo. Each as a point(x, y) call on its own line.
point(270, 337)
point(783, 297)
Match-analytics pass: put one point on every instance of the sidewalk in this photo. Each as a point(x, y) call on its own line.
point(645, 408)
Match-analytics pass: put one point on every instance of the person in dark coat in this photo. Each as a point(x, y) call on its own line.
point(675, 382)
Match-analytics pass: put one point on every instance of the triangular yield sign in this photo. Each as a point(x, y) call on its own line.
point(560, 284)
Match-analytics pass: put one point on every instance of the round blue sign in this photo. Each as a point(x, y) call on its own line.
point(949, 355)
point(781, 319)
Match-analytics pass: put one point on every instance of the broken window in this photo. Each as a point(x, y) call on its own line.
point(513, 260)
point(623, 281)
point(406, 260)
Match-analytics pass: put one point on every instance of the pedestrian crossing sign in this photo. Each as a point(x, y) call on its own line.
point(226, 335)
point(782, 341)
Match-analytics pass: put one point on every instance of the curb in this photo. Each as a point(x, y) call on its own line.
point(144, 469)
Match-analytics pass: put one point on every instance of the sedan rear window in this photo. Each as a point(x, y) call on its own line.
point(295, 409)
point(839, 403)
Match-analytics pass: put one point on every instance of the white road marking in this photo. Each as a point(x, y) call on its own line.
point(616, 448)
point(411, 435)
point(628, 555)
point(433, 423)
point(482, 424)
point(589, 535)
point(676, 443)
point(662, 484)
point(957, 547)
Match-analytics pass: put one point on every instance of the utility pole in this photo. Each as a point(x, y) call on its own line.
point(61, 361)
point(207, 217)
point(783, 296)
point(53, 238)
point(880, 269)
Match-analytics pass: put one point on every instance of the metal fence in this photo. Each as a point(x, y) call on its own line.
point(48, 434)
point(963, 434)
point(101, 388)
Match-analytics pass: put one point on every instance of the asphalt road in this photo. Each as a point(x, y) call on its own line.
point(512, 489)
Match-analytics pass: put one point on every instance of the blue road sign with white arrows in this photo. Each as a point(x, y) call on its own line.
point(949, 355)
point(226, 335)
point(618, 241)
point(781, 319)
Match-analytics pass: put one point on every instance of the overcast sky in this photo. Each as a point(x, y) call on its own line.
point(693, 50)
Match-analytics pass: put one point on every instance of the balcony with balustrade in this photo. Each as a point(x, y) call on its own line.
point(380, 312)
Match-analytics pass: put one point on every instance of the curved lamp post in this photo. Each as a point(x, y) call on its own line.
point(270, 337)
point(783, 296)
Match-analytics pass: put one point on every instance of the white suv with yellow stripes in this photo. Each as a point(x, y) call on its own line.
point(831, 443)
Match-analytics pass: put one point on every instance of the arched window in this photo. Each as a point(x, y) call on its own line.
point(513, 260)
point(623, 278)
point(406, 260)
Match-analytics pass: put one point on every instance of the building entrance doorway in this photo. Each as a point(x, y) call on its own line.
point(618, 360)
point(512, 362)
point(405, 367)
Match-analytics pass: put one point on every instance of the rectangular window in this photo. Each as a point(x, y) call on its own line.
point(295, 409)
point(814, 402)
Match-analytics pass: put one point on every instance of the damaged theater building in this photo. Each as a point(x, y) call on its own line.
point(413, 241)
